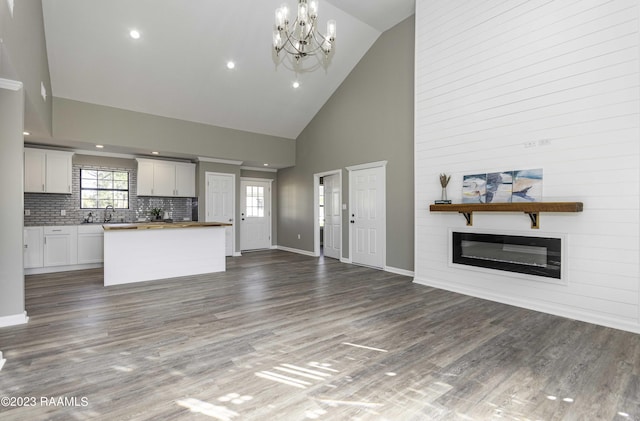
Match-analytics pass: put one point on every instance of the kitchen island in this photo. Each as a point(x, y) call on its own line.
point(159, 250)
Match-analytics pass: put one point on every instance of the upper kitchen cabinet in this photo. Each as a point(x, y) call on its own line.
point(166, 178)
point(47, 171)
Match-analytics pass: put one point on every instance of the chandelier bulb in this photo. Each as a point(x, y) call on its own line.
point(313, 9)
point(331, 30)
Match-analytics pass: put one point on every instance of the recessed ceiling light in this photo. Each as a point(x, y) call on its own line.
point(231, 65)
point(155, 153)
point(266, 165)
point(296, 85)
point(26, 133)
point(99, 146)
point(134, 33)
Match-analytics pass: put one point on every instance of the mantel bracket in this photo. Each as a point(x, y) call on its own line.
point(469, 217)
point(535, 219)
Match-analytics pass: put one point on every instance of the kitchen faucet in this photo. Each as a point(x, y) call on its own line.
point(107, 216)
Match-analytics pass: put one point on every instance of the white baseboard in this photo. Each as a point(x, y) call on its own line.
point(535, 306)
point(292, 250)
point(399, 271)
point(14, 319)
point(54, 269)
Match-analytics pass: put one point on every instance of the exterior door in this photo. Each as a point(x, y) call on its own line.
point(367, 216)
point(332, 217)
point(255, 214)
point(220, 204)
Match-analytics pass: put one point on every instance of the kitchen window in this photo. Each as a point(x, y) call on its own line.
point(100, 188)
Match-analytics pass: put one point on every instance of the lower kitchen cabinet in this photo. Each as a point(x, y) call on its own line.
point(60, 245)
point(33, 247)
point(90, 244)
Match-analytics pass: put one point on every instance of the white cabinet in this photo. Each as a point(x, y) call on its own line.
point(34, 170)
point(185, 180)
point(33, 242)
point(145, 177)
point(47, 171)
point(60, 245)
point(90, 244)
point(166, 178)
point(57, 246)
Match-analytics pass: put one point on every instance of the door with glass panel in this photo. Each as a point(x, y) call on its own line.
point(255, 214)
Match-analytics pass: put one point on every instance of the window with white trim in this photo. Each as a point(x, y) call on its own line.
point(100, 188)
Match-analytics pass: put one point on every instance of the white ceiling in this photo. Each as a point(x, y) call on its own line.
point(178, 67)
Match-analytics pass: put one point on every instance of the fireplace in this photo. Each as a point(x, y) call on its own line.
point(532, 256)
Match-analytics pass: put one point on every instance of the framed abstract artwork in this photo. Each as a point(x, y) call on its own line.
point(503, 187)
point(474, 188)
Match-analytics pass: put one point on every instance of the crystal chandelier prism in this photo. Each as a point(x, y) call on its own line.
point(301, 39)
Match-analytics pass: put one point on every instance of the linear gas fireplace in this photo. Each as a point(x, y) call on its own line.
point(536, 256)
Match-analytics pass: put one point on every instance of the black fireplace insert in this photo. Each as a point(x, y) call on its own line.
point(539, 256)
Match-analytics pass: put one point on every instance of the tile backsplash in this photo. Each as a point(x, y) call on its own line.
point(45, 208)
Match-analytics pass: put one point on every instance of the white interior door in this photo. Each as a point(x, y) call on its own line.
point(255, 214)
point(332, 216)
point(367, 216)
point(220, 204)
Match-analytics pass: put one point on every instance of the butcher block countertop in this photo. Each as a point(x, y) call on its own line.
point(162, 225)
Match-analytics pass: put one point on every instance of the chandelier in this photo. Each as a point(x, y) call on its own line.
point(302, 39)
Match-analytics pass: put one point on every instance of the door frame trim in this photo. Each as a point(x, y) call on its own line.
point(376, 164)
point(233, 202)
point(316, 213)
point(259, 180)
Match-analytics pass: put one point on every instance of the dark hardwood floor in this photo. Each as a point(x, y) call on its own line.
point(281, 336)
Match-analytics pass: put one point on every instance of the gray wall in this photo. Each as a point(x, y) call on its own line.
point(11, 171)
point(369, 118)
point(23, 57)
point(88, 124)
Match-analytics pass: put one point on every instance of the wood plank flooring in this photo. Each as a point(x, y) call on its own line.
point(281, 336)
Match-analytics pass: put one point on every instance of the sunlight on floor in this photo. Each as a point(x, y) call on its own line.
point(121, 368)
point(197, 406)
point(297, 372)
point(364, 347)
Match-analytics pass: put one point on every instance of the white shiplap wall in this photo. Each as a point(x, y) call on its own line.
point(493, 77)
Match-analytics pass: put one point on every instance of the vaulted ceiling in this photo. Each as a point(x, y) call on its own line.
point(177, 68)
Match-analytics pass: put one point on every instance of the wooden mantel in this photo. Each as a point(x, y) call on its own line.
point(532, 209)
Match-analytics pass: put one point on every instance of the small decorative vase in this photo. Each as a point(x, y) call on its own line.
point(444, 193)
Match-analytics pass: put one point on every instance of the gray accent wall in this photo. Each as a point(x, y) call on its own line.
point(369, 118)
point(88, 124)
point(11, 171)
